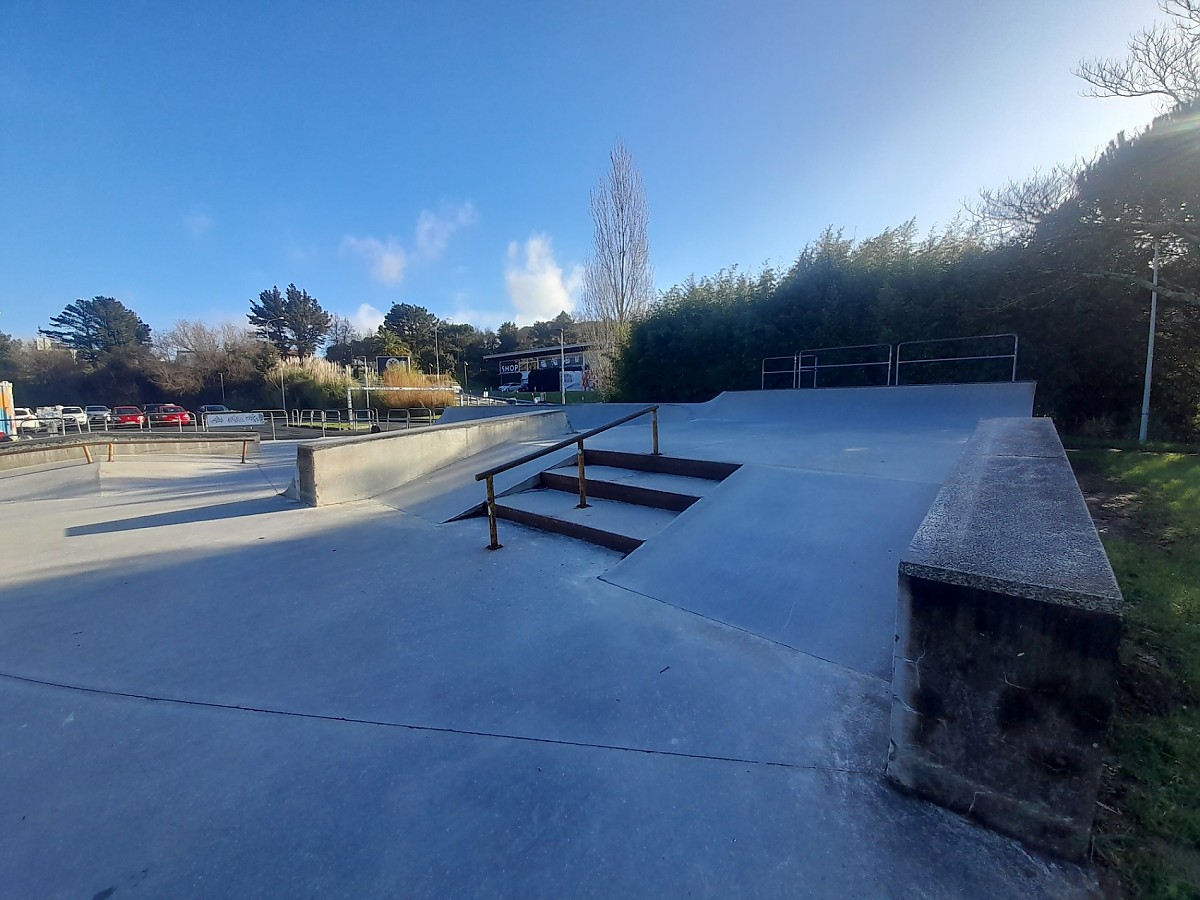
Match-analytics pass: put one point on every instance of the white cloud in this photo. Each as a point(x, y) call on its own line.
point(387, 261)
point(433, 231)
point(367, 318)
point(536, 284)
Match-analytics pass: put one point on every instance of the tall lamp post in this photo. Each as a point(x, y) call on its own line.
point(437, 356)
point(1149, 354)
point(562, 365)
point(282, 392)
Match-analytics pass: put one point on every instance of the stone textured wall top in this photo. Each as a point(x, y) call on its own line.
point(1011, 519)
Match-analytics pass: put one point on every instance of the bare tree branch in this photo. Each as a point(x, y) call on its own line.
point(1163, 60)
point(618, 281)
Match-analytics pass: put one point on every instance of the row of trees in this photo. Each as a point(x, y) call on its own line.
point(1064, 259)
point(101, 351)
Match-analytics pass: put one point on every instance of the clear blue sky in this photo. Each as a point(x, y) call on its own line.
point(182, 157)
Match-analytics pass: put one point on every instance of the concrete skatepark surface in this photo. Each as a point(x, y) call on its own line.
point(208, 690)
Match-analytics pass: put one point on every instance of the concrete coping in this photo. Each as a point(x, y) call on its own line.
point(364, 466)
point(1010, 519)
point(27, 446)
point(333, 441)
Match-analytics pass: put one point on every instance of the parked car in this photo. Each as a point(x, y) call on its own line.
point(167, 414)
point(25, 420)
point(74, 415)
point(128, 417)
point(98, 415)
point(209, 409)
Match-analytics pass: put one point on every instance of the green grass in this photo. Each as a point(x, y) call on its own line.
point(1148, 830)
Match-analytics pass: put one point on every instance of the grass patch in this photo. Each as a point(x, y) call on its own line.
point(1148, 829)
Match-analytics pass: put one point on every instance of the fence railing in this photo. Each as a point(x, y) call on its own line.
point(807, 365)
point(925, 360)
point(489, 474)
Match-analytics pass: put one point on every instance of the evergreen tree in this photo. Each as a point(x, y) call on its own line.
point(97, 326)
point(307, 322)
point(269, 314)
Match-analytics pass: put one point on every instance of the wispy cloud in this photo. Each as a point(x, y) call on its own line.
point(536, 283)
point(389, 259)
point(367, 318)
point(434, 230)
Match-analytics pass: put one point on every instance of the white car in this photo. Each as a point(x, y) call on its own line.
point(24, 419)
point(75, 415)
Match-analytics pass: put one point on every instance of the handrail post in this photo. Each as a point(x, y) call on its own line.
point(654, 429)
point(582, 479)
point(491, 504)
point(110, 451)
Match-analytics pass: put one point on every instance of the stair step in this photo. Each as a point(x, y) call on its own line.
point(621, 526)
point(619, 542)
point(603, 489)
point(672, 465)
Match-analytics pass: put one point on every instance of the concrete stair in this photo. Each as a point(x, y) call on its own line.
point(631, 496)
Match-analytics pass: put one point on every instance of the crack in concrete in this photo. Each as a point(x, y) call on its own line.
point(435, 729)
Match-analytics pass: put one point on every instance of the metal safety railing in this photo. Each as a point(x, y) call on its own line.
point(815, 366)
point(809, 362)
point(420, 416)
point(782, 366)
point(489, 475)
point(925, 360)
point(791, 371)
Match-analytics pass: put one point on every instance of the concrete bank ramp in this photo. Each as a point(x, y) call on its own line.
point(807, 559)
point(882, 408)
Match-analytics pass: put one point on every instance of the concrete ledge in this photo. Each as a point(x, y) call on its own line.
point(69, 449)
point(1008, 625)
point(358, 468)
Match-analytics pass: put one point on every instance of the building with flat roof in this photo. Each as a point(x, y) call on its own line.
point(538, 368)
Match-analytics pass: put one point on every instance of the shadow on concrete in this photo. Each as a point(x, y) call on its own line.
point(236, 509)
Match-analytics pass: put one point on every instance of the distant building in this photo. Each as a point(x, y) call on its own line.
point(538, 368)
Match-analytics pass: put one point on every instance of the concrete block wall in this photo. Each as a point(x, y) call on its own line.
point(1008, 626)
point(358, 468)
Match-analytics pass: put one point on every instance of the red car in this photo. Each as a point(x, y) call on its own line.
point(128, 416)
point(167, 414)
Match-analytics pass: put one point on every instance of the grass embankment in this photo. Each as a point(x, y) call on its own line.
point(1147, 506)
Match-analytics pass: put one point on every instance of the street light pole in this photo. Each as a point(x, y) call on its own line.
point(562, 365)
point(282, 392)
point(437, 356)
point(1149, 353)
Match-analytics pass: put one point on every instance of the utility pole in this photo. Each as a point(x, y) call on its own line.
point(282, 392)
point(1149, 353)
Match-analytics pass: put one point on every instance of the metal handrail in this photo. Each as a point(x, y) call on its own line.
point(489, 475)
point(974, 337)
point(793, 370)
point(817, 365)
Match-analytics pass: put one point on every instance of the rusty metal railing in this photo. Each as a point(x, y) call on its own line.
point(489, 474)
